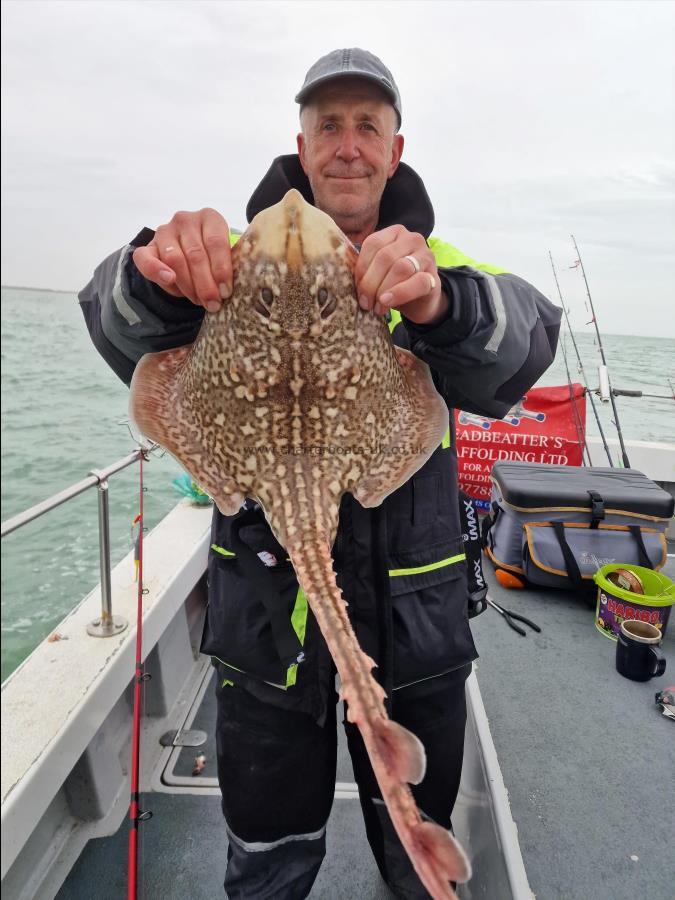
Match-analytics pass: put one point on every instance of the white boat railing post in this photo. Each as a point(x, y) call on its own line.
point(106, 625)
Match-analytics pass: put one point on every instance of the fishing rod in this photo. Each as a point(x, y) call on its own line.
point(582, 371)
point(622, 393)
point(135, 814)
point(581, 438)
point(604, 371)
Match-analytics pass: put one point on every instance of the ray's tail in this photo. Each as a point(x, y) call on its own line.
point(396, 755)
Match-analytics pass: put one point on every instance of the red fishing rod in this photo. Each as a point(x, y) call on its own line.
point(135, 814)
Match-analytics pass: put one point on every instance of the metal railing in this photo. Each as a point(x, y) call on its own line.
point(106, 625)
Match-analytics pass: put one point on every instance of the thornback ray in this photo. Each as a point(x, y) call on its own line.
point(293, 395)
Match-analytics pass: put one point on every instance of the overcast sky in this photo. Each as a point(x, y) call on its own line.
point(527, 122)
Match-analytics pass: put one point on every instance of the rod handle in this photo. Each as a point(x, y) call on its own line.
point(604, 389)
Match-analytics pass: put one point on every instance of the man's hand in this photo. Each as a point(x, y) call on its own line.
point(387, 279)
point(190, 257)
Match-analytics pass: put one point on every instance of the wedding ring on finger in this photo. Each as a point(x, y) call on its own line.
point(415, 264)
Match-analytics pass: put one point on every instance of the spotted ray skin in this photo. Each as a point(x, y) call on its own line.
point(293, 395)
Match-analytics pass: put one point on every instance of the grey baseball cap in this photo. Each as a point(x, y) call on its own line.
point(354, 62)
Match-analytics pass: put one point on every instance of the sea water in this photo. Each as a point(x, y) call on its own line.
point(64, 414)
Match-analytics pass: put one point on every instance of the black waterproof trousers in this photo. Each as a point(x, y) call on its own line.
point(277, 776)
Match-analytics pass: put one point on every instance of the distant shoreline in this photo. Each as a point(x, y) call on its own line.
point(23, 287)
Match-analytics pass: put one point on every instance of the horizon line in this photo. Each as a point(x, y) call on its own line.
point(23, 287)
point(29, 287)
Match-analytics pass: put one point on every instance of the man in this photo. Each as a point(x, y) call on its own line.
point(487, 337)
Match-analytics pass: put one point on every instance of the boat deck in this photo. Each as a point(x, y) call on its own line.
point(586, 756)
point(183, 847)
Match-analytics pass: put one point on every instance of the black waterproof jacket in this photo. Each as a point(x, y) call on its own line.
point(401, 566)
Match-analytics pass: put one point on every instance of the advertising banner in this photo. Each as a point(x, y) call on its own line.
point(547, 426)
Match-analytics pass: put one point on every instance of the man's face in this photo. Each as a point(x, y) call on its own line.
point(348, 149)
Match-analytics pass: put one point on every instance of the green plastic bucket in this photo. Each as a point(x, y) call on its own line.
point(615, 605)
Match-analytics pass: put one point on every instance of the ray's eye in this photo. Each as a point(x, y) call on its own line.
point(262, 302)
point(327, 302)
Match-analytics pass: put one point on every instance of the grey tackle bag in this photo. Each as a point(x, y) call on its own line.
point(557, 525)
